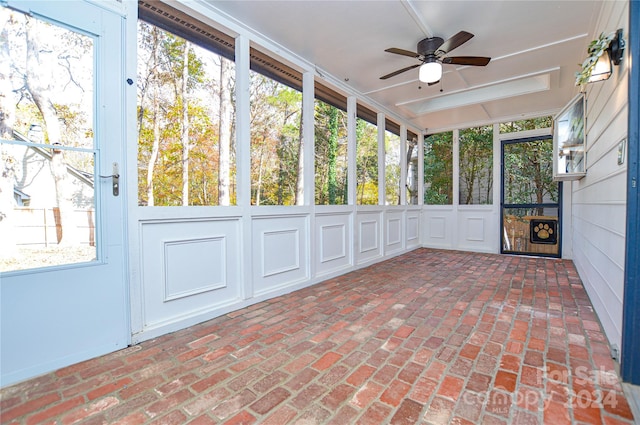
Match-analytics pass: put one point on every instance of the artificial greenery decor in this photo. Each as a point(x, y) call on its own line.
point(596, 48)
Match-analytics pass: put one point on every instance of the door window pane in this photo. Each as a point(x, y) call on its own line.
point(528, 173)
point(531, 230)
point(47, 153)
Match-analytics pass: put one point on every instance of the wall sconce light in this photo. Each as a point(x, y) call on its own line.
point(612, 55)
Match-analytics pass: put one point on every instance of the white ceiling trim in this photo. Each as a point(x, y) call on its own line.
point(417, 17)
point(553, 70)
point(533, 49)
point(503, 90)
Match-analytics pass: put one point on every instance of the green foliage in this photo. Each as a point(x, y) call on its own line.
point(276, 124)
point(476, 165)
point(366, 163)
point(528, 174)
point(438, 169)
point(160, 101)
point(330, 155)
point(528, 124)
point(595, 49)
point(392, 168)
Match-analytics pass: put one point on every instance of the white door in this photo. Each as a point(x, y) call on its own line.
point(63, 280)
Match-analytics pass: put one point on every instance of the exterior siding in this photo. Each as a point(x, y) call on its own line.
point(599, 199)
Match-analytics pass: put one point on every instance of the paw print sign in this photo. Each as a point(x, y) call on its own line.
point(543, 231)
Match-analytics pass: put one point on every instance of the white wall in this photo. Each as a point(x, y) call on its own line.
point(599, 199)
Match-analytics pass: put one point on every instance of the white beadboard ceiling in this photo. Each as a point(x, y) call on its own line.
point(535, 47)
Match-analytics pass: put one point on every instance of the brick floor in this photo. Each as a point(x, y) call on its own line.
point(433, 337)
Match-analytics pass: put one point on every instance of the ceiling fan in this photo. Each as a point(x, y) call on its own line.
point(432, 53)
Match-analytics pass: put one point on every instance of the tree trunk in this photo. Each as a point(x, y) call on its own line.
point(7, 158)
point(154, 150)
point(39, 86)
point(332, 150)
point(154, 80)
point(300, 176)
point(224, 167)
point(185, 127)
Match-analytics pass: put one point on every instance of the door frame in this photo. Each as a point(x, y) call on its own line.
point(630, 355)
point(502, 204)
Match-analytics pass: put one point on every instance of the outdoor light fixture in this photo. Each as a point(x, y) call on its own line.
point(430, 72)
point(612, 55)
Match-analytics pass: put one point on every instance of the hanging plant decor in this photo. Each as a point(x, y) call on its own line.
point(595, 50)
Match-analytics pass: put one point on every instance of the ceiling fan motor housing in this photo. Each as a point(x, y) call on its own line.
point(429, 46)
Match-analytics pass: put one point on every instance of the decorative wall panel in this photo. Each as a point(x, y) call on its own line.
point(279, 249)
point(194, 266)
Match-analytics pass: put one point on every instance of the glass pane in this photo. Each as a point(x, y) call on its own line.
point(438, 169)
point(47, 203)
point(330, 155)
point(528, 173)
point(276, 141)
point(412, 171)
point(476, 165)
point(528, 124)
point(392, 168)
point(531, 230)
point(366, 163)
point(186, 118)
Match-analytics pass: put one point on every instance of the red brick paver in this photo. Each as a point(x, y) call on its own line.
point(430, 337)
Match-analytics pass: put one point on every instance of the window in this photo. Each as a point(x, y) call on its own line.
point(412, 169)
point(48, 152)
point(186, 78)
point(276, 136)
point(392, 167)
point(476, 165)
point(438, 169)
point(528, 124)
point(366, 157)
point(330, 154)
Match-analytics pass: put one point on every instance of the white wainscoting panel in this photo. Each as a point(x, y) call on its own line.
point(475, 229)
point(280, 256)
point(333, 236)
point(412, 229)
point(189, 268)
point(369, 243)
point(206, 270)
point(393, 225)
point(438, 227)
point(478, 229)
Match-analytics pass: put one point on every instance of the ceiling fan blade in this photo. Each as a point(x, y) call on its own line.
point(400, 71)
point(453, 42)
point(402, 52)
point(467, 60)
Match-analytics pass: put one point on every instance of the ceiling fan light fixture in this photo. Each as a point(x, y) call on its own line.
point(430, 72)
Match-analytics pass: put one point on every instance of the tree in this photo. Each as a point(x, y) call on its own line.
point(7, 159)
point(185, 127)
point(330, 154)
point(476, 165)
point(438, 169)
point(528, 173)
point(366, 163)
point(224, 131)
